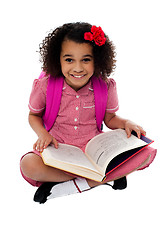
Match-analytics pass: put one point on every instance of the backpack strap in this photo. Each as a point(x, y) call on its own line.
point(100, 96)
point(53, 100)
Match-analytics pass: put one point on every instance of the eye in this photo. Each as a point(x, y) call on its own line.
point(86, 60)
point(69, 60)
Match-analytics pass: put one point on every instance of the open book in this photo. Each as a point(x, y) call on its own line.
point(103, 154)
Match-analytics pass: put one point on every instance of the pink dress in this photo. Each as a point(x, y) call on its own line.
point(76, 120)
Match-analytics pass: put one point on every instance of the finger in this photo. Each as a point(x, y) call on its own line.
point(54, 141)
point(137, 130)
point(46, 144)
point(142, 131)
point(128, 131)
point(35, 146)
point(41, 147)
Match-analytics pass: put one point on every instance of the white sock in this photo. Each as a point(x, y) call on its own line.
point(111, 183)
point(77, 185)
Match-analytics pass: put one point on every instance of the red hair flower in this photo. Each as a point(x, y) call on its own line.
point(96, 35)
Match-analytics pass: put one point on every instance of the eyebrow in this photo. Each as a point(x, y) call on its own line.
point(69, 55)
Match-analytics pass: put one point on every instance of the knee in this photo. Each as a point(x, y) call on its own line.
point(28, 166)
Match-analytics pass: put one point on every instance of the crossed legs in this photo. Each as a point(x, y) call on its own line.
point(32, 167)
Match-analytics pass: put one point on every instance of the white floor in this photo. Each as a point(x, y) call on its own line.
point(100, 213)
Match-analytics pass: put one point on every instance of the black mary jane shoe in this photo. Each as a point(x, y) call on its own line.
point(120, 183)
point(43, 192)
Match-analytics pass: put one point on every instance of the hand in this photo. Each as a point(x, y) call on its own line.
point(43, 141)
point(131, 126)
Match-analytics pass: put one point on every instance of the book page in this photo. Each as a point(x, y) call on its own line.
point(66, 154)
point(104, 147)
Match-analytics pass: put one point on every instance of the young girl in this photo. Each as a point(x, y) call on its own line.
point(76, 57)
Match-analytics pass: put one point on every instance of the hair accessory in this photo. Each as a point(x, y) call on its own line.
point(96, 35)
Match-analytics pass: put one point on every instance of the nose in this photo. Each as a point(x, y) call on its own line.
point(78, 67)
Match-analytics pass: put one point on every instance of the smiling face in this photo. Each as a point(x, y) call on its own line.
point(77, 63)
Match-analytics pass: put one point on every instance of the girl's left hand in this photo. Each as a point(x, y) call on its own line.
point(131, 126)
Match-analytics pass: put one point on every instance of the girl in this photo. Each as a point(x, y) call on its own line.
point(75, 58)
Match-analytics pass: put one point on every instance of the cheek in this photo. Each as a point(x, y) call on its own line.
point(64, 68)
point(91, 68)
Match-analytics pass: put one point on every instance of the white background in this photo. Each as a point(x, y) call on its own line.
point(101, 213)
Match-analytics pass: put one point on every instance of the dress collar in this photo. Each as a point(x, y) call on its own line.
point(83, 91)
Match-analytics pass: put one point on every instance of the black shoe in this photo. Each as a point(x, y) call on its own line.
point(120, 183)
point(43, 192)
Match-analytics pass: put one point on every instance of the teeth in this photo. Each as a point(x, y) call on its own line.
point(78, 76)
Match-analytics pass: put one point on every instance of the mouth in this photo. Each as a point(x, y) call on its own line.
point(78, 76)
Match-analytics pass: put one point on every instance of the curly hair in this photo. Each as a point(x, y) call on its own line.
point(50, 49)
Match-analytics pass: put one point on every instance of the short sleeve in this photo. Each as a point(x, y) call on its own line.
point(37, 100)
point(112, 102)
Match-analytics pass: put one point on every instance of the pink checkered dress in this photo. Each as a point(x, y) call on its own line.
point(76, 120)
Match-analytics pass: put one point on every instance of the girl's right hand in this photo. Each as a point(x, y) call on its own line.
point(43, 141)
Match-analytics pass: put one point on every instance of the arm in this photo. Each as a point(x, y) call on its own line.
point(113, 121)
point(44, 138)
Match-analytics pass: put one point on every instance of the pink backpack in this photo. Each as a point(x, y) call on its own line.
point(53, 99)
